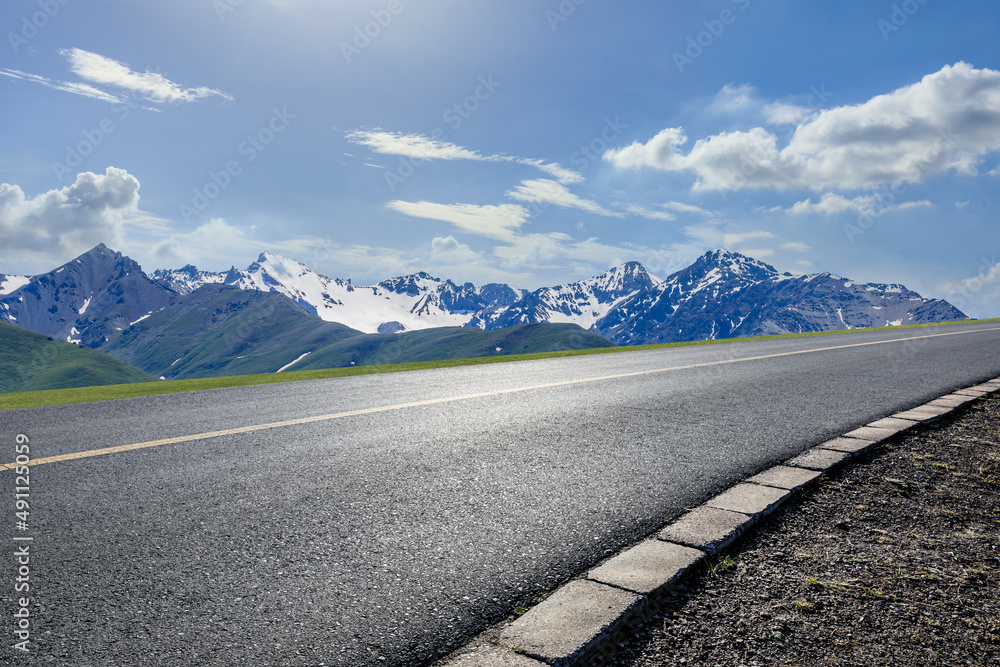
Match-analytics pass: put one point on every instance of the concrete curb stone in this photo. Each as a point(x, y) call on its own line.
point(786, 477)
point(849, 445)
point(893, 423)
point(648, 567)
point(950, 401)
point(565, 626)
point(819, 458)
point(750, 499)
point(707, 528)
point(873, 433)
point(493, 656)
point(923, 413)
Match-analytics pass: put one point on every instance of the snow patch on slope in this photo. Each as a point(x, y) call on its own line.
point(301, 357)
point(10, 283)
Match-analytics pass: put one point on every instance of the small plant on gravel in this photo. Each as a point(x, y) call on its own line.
point(813, 582)
point(719, 565)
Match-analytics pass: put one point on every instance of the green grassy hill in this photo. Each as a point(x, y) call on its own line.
point(222, 330)
point(31, 361)
point(450, 343)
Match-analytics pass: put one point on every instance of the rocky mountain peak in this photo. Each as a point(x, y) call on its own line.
point(85, 299)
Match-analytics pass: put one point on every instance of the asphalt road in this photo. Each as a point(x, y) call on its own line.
point(392, 536)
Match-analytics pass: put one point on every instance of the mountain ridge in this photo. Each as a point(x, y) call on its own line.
point(722, 294)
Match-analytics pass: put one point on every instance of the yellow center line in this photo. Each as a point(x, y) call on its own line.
point(451, 399)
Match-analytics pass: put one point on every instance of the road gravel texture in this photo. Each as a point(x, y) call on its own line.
point(392, 538)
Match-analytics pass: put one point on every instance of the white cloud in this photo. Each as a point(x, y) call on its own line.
point(415, 146)
point(795, 246)
point(978, 296)
point(730, 240)
point(542, 251)
point(557, 171)
point(869, 205)
point(363, 263)
point(662, 216)
point(98, 69)
point(780, 113)
point(70, 220)
point(734, 100)
point(66, 87)
point(713, 236)
point(946, 121)
point(547, 191)
point(212, 244)
point(744, 102)
point(420, 147)
point(685, 208)
point(498, 222)
point(660, 152)
point(449, 251)
point(150, 85)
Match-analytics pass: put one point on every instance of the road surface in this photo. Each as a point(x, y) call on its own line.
point(398, 515)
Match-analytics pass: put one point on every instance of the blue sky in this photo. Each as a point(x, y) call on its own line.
point(531, 142)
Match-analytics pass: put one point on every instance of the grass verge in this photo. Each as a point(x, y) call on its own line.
point(32, 399)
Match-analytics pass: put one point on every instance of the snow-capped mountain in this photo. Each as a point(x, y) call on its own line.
point(584, 303)
point(726, 294)
point(418, 301)
point(87, 300)
point(721, 295)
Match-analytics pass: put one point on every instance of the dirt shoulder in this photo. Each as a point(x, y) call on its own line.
point(893, 560)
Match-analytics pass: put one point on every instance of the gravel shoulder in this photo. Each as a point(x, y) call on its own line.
point(893, 559)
